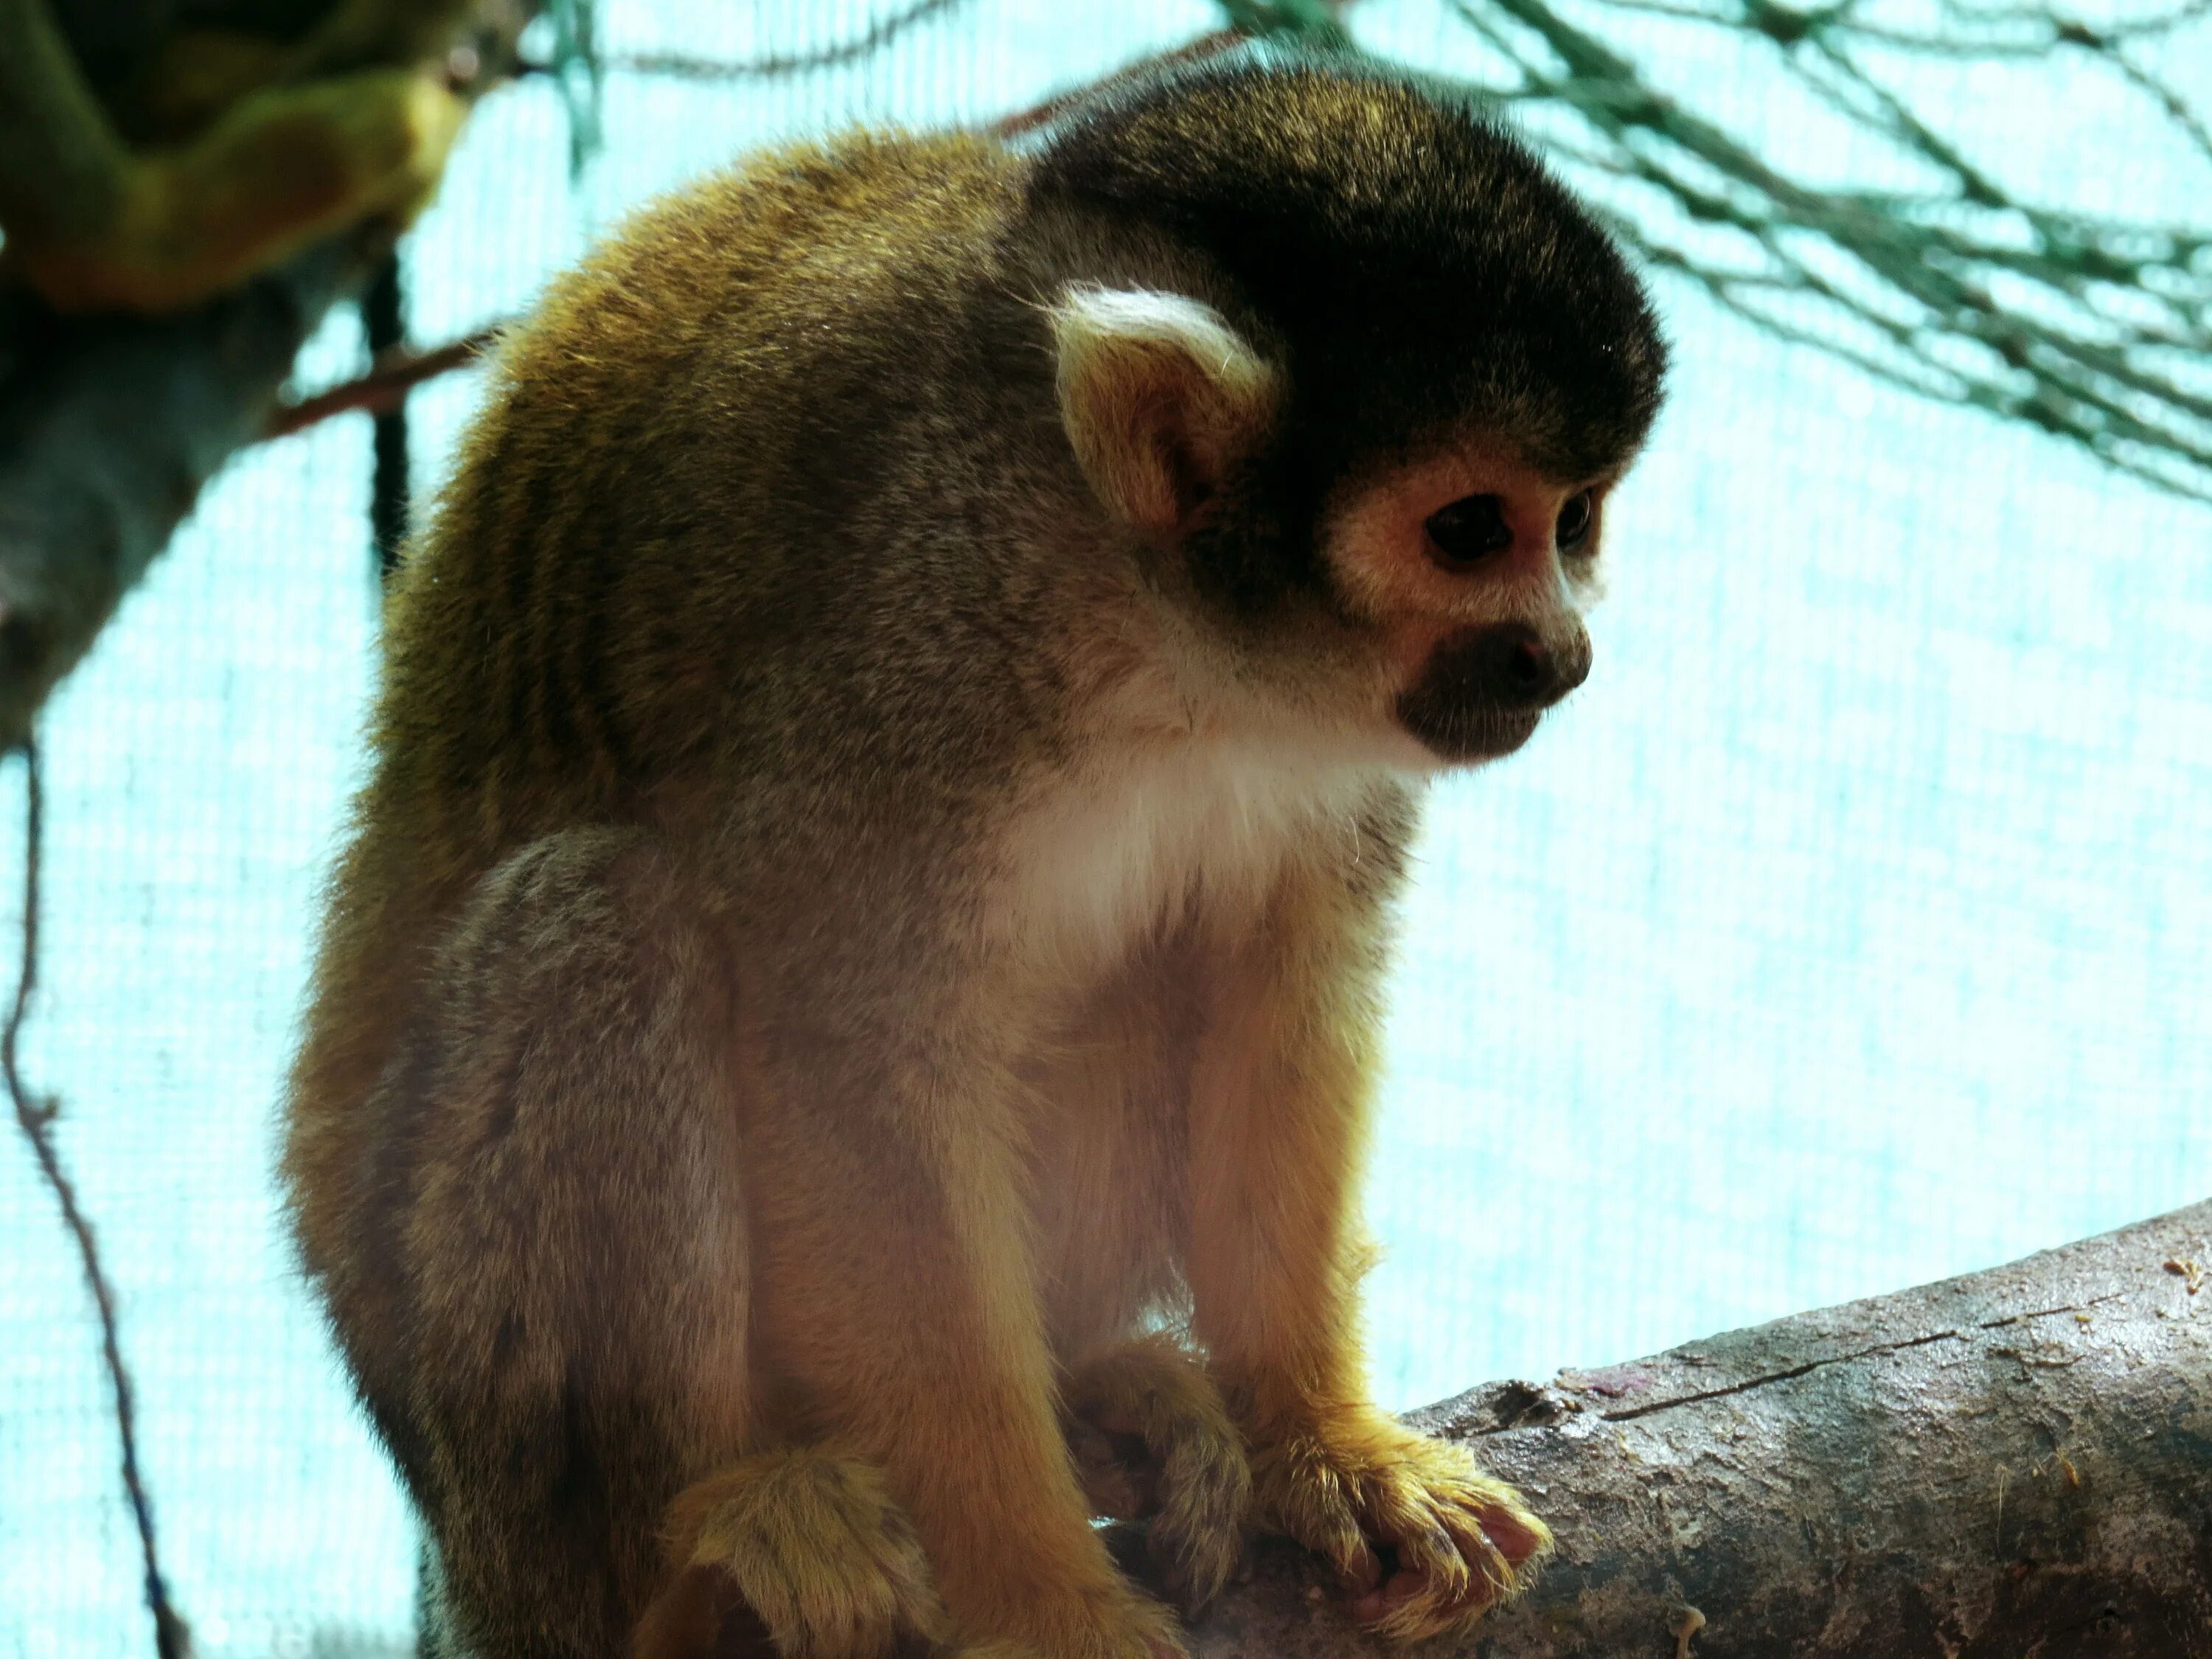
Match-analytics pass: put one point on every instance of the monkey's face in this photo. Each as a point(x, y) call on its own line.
point(1466, 571)
point(1378, 445)
point(1420, 611)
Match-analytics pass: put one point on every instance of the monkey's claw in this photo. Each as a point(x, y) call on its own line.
point(1154, 1441)
point(1424, 1542)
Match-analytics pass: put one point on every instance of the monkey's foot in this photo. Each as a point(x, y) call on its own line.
point(801, 1554)
point(1424, 1541)
point(1154, 1442)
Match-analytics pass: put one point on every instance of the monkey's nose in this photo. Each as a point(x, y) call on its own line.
point(1521, 669)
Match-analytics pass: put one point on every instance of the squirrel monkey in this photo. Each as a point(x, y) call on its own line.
point(846, 1027)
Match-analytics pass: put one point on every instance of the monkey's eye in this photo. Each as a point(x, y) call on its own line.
point(1473, 527)
point(1576, 518)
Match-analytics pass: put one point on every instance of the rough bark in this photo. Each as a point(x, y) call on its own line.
point(2018, 1462)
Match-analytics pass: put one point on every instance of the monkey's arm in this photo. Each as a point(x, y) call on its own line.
point(95, 225)
point(1280, 1102)
point(896, 1293)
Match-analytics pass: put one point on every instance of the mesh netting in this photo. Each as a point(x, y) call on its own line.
point(1852, 928)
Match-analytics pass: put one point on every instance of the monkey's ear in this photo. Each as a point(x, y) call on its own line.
point(1159, 395)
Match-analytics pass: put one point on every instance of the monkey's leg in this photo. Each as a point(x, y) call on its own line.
point(897, 1301)
point(544, 1283)
point(1154, 1442)
point(1425, 1540)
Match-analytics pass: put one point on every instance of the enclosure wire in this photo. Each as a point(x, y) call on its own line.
point(384, 321)
point(36, 1117)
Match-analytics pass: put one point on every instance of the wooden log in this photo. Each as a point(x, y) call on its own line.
point(2016, 1463)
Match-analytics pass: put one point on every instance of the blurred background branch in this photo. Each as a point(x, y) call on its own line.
point(181, 205)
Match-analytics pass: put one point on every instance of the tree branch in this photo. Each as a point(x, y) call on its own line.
point(385, 386)
point(109, 425)
point(2016, 1463)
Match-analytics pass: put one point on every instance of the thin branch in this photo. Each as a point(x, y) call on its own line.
point(2160, 93)
point(35, 1116)
point(385, 386)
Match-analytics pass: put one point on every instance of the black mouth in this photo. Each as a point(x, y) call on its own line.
point(1483, 690)
point(1462, 735)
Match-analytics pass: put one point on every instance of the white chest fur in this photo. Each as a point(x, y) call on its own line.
point(1148, 833)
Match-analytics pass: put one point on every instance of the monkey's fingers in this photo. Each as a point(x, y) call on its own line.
point(1458, 1540)
point(804, 1547)
point(1421, 1539)
point(1003, 1650)
point(1517, 1535)
point(1121, 1478)
point(1305, 1495)
point(1180, 1459)
point(1444, 1577)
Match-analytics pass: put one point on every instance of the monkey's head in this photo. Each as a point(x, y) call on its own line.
point(1353, 375)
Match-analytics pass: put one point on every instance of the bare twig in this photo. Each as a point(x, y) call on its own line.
point(385, 386)
point(35, 1116)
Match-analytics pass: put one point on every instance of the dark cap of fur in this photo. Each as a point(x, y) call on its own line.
point(1423, 269)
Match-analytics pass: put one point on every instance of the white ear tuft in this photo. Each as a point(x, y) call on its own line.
point(1159, 395)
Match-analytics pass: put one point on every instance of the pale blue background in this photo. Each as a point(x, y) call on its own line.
point(1852, 928)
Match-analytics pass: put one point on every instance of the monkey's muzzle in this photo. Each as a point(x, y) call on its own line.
point(1484, 690)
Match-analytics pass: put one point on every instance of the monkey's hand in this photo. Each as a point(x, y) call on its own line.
point(799, 1551)
point(1424, 1541)
point(1153, 1442)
